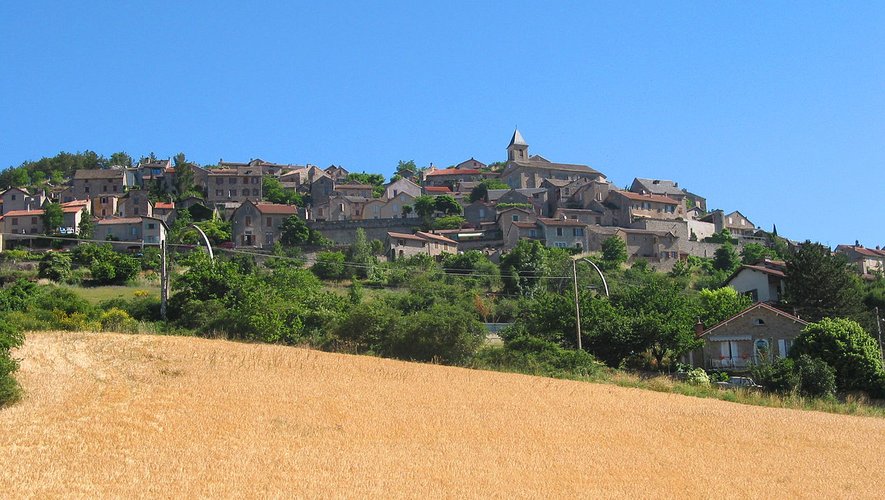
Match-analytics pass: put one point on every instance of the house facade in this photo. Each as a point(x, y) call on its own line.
point(402, 246)
point(259, 225)
point(525, 171)
point(149, 230)
point(758, 334)
point(762, 282)
point(23, 222)
point(867, 261)
point(92, 183)
point(17, 199)
point(225, 185)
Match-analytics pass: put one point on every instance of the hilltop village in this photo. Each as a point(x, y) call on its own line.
point(467, 206)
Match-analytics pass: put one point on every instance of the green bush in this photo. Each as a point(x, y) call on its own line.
point(10, 338)
point(697, 377)
point(816, 377)
point(55, 266)
point(779, 376)
point(118, 320)
point(534, 356)
point(329, 266)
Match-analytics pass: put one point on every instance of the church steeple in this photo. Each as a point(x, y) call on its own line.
point(517, 150)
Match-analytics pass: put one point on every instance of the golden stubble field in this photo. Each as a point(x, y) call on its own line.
point(123, 415)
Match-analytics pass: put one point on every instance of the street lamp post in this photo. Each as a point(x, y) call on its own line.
point(577, 301)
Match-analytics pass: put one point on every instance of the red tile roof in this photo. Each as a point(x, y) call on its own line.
point(404, 236)
point(164, 205)
point(120, 220)
point(757, 305)
point(436, 237)
point(71, 210)
point(648, 197)
point(276, 209)
point(455, 171)
point(22, 213)
point(438, 189)
point(75, 203)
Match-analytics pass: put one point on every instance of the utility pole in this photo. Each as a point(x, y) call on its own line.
point(577, 303)
point(879, 329)
point(164, 280)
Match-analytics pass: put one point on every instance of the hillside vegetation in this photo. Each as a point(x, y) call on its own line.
point(125, 415)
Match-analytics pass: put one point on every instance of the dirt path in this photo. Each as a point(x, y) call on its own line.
point(122, 415)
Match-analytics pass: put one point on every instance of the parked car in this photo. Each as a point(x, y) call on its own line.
point(739, 383)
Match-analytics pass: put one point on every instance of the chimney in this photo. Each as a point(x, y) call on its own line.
point(699, 328)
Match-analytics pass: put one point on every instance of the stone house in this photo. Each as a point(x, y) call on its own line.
point(471, 164)
point(670, 189)
point(336, 172)
point(479, 212)
point(23, 222)
point(321, 189)
point(164, 210)
point(626, 207)
point(757, 334)
point(452, 176)
point(131, 229)
point(735, 222)
point(359, 190)
point(227, 185)
point(104, 205)
point(589, 193)
point(401, 245)
point(134, 203)
point(437, 190)
point(586, 216)
point(379, 208)
point(563, 233)
point(658, 248)
point(762, 282)
point(392, 189)
point(868, 261)
point(17, 199)
point(98, 182)
point(259, 225)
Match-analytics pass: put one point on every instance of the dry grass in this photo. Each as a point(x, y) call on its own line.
point(119, 415)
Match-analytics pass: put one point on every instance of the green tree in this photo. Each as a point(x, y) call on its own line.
point(720, 304)
point(295, 232)
point(86, 228)
point(481, 190)
point(754, 252)
point(816, 377)
point(55, 266)
point(819, 284)
point(449, 222)
point(852, 352)
point(614, 252)
point(329, 265)
point(274, 192)
point(425, 206)
point(184, 176)
point(53, 218)
point(523, 267)
point(360, 253)
point(447, 205)
point(403, 169)
point(121, 158)
point(725, 258)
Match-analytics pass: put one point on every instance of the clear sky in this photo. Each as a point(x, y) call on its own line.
point(774, 109)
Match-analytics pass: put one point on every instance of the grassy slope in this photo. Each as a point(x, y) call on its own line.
point(98, 294)
point(119, 415)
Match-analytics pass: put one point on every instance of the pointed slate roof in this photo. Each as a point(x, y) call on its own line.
point(517, 139)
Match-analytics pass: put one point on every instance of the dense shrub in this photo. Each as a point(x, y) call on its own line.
point(10, 338)
point(118, 320)
point(329, 265)
point(816, 377)
point(697, 377)
point(531, 355)
point(848, 349)
point(779, 376)
point(55, 266)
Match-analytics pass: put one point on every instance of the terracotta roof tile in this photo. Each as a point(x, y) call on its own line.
point(276, 209)
point(23, 213)
point(648, 197)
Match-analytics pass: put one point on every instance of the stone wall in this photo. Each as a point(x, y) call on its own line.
point(344, 232)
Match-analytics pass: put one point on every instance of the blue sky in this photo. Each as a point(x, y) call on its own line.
point(775, 109)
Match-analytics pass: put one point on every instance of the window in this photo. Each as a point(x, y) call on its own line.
point(559, 244)
point(85, 189)
point(579, 231)
point(514, 218)
point(758, 322)
point(34, 221)
point(245, 180)
point(255, 180)
point(219, 192)
point(104, 189)
point(533, 233)
point(599, 220)
point(232, 193)
point(151, 225)
point(255, 192)
point(559, 231)
point(245, 192)
point(269, 222)
point(248, 220)
point(15, 221)
point(13, 197)
point(135, 211)
point(115, 188)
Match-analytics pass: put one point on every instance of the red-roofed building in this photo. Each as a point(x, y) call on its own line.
point(867, 260)
point(437, 190)
point(149, 230)
point(402, 245)
point(259, 225)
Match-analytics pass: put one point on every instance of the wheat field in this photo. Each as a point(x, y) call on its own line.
point(124, 415)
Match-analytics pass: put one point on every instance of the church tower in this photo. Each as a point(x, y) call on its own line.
point(518, 150)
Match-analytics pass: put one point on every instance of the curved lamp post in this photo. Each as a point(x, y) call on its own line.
point(577, 303)
point(209, 245)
